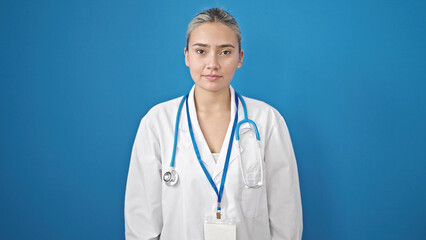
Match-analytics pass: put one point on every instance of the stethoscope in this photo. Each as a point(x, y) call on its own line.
point(171, 177)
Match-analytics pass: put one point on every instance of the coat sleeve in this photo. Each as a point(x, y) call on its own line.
point(282, 182)
point(142, 210)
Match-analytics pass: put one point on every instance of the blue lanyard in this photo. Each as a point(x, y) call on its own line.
point(228, 154)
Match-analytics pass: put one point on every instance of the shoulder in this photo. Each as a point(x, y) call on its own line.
point(263, 111)
point(161, 111)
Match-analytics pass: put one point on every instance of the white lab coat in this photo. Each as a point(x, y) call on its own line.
point(154, 210)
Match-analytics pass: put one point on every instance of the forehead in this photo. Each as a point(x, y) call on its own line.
point(213, 33)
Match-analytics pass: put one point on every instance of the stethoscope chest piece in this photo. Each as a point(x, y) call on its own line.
point(170, 178)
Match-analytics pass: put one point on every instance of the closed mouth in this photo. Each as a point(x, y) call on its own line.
point(212, 77)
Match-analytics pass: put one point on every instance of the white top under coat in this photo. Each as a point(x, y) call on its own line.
point(215, 156)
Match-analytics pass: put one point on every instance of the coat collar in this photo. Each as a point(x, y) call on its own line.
point(185, 141)
point(183, 124)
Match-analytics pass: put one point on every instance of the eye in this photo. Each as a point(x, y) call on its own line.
point(200, 51)
point(226, 52)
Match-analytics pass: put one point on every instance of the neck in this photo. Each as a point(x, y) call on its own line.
point(207, 101)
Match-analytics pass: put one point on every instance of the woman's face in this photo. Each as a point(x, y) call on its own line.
point(213, 56)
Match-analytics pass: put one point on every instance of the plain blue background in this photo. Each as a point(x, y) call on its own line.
point(77, 77)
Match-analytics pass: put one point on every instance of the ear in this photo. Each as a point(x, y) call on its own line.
point(240, 61)
point(186, 57)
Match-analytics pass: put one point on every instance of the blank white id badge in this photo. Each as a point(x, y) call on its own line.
point(219, 231)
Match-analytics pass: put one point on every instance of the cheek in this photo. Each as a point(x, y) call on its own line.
point(230, 64)
point(195, 70)
point(195, 65)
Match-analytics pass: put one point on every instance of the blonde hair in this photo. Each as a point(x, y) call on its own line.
point(214, 15)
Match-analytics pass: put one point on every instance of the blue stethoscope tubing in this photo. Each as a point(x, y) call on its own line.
point(228, 154)
point(171, 177)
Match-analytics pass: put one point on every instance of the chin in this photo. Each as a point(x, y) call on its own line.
point(212, 86)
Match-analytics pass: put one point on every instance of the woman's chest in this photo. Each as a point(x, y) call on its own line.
point(214, 127)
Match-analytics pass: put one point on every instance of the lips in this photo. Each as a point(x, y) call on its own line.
point(211, 77)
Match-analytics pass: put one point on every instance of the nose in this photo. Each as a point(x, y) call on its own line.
point(212, 61)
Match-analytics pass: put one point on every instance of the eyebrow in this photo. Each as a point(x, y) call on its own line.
point(219, 46)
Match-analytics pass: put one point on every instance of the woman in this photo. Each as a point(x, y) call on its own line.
point(223, 188)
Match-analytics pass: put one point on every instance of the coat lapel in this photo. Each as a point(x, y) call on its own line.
point(203, 148)
point(235, 148)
